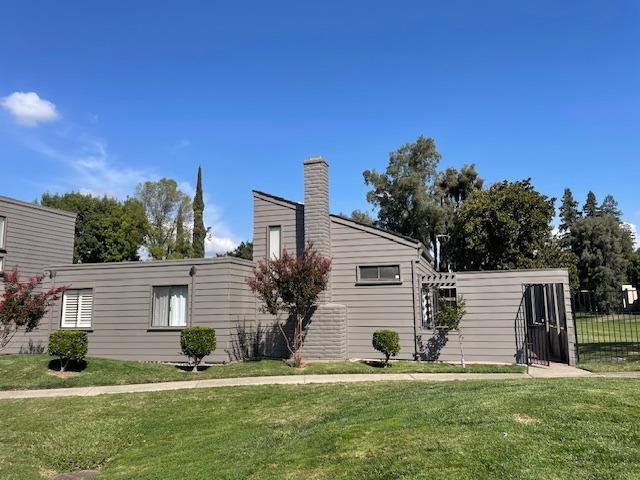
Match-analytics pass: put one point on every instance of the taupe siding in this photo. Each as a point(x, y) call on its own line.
point(35, 236)
point(121, 322)
point(371, 307)
point(269, 211)
point(492, 301)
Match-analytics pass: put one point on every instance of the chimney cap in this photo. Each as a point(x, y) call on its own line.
point(315, 159)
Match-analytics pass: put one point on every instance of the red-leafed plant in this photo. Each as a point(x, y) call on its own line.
point(291, 284)
point(23, 305)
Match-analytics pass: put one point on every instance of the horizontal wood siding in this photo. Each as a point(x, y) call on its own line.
point(372, 307)
point(492, 300)
point(269, 212)
point(218, 297)
point(35, 236)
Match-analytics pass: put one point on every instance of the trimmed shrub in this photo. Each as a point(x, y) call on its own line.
point(387, 342)
point(68, 346)
point(197, 343)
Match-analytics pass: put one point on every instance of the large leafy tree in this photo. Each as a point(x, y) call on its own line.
point(199, 230)
point(405, 192)
point(506, 226)
point(243, 250)
point(456, 186)
point(633, 272)
point(106, 230)
point(602, 247)
point(170, 214)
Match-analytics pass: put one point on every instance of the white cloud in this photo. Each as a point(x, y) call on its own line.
point(215, 244)
point(28, 109)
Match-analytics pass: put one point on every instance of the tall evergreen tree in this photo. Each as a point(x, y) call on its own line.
point(609, 207)
point(199, 230)
point(590, 208)
point(568, 211)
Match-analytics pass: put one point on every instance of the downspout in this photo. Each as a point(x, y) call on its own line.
point(192, 273)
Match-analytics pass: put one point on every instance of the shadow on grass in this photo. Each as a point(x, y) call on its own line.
point(77, 367)
point(376, 363)
point(189, 368)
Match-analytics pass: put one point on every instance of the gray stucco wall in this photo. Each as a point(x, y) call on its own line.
point(218, 297)
point(492, 301)
point(35, 236)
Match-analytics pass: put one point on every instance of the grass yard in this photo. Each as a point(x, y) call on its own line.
point(608, 337)
point(601, 367)
point(547, 429)
point(31, 371)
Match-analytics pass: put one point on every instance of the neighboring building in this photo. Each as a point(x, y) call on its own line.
point(379, 279)
point(31, 237)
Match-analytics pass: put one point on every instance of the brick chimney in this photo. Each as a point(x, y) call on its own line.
point(317, 224)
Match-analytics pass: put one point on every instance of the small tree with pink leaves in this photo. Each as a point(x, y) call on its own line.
point(291, 284)
point(23, 305)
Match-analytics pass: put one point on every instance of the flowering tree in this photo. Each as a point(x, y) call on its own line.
point(291, 284)
point(23, 305)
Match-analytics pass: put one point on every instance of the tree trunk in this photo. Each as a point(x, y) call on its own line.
point(460, 338)
point(297, 342)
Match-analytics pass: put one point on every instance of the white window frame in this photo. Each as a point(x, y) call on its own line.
point(83, 310)
point(3, 232)
point(271, 255)
point(1, 265)
point(169, 326)
point(378, 281)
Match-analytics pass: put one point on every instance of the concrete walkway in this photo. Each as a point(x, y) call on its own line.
point(554, 371)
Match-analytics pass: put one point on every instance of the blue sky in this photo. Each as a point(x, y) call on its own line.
point(139, 90)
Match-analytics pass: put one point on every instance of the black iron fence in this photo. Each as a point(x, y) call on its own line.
point(607, 325)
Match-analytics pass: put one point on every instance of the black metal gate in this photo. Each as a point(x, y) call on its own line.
point(541, 325)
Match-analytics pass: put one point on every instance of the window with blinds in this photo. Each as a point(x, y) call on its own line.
point(77, 307)
point(169, 306)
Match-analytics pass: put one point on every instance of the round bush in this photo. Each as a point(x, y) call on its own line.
point(68, 345)
point(197, 343)
point(387, 342)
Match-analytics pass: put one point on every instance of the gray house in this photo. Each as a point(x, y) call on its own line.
point(379, 279)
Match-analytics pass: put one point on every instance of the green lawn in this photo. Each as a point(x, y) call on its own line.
point(608, 338)
point(599, 367)
point(30, 371)
point(545, 429)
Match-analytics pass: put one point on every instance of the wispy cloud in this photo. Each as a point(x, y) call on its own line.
point(28, 109)
point(180, 145)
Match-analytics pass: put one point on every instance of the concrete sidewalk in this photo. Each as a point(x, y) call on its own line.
point(553, 371)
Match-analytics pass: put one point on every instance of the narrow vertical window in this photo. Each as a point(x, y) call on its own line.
point(274, 244)
point(3, 228)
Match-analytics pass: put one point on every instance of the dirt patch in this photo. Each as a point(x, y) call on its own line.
point(59, 374)
point(77, 475)
point(526, 419)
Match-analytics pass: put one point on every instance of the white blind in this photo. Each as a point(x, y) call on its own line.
point(77, 306)
point(274, 243)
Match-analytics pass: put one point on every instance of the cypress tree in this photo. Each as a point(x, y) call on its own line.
point(199, 230)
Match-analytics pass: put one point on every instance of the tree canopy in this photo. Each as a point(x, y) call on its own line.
point(170, 215)
point(506, 226)
point(106, 230)
point(199, 230)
